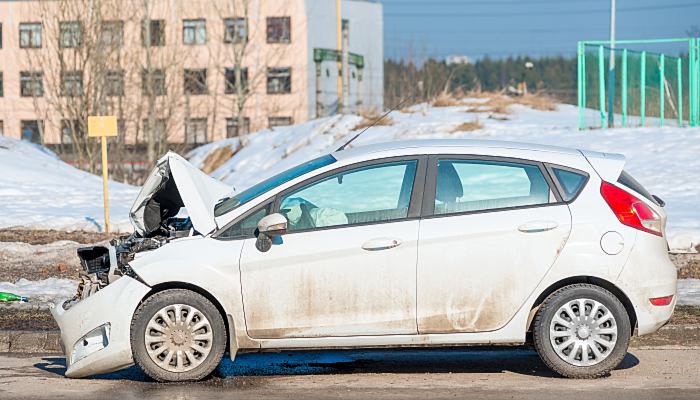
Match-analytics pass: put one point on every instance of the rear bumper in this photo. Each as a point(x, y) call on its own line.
point(112, 307)
point(648, 274)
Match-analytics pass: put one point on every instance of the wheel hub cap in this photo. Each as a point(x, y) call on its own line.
point(583, 332)
point(178, 338)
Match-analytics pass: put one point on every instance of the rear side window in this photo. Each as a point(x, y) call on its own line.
point(627, 180)
point(475, 185)
point(570, 181)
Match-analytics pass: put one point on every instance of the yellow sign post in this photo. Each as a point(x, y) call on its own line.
point(103, 127)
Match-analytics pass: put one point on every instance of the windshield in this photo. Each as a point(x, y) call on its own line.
point(231, 203)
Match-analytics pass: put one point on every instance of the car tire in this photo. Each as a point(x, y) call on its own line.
point(581, 346)
point(177, 335)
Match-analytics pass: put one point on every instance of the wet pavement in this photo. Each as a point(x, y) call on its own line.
point(378, 374)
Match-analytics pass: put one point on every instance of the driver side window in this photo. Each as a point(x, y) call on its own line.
point(369, 194)
point(245, 227)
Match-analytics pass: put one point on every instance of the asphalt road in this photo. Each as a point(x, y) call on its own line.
point(381, 374)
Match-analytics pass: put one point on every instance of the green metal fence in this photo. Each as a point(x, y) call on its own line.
point(645, 88)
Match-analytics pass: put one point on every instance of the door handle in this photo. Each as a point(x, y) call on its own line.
point(380, 244)
point(537, 226)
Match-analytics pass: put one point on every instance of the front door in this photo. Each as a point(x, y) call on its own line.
point(347, 265)
point(496, 229)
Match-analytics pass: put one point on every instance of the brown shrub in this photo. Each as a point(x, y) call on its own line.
point(498, 103)
point(370, 118)
point(537, 101)
point(445, 100)
point(217, 158)
point(467, 126)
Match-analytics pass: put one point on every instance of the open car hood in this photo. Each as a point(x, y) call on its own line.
point(175, 183)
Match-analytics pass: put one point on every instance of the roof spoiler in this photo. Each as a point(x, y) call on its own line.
point(608, 165)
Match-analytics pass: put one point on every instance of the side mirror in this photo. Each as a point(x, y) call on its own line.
point(269, 227)
point(273, 225)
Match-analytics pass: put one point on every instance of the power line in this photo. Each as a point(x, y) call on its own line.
point(523, 14)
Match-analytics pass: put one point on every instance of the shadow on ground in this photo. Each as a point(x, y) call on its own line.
point(519, 360)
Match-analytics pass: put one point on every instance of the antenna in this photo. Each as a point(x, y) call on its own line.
point(371, 125)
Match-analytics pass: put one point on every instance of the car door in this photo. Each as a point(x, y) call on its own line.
point(347, 264)
point(492, 230)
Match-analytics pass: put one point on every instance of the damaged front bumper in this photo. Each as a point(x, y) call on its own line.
point(96, 331)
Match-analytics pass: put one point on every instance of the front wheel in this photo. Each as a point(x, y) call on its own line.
point(581, 331)
point(177, 335)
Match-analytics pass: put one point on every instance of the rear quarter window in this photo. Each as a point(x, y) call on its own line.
point(570, 182)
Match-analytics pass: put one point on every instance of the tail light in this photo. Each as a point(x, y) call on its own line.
point(661, 301)
point(630, 210)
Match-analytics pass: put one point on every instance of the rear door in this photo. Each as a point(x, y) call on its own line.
point(492, 229)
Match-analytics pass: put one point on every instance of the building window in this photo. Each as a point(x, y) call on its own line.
point(114, 83)
point(32, 130)
point(279, 80)
point(30, 35)
point(195, 81)
point(273, 122)
point(70, 129)
point(0, 35)
point(233, 129)
point(153, 83)
point(279, 30)
point(31, 84)
point(194, 31)
point(2, 128)
point(231, 84)
point(235, 30)
point(196, 130)
point(2, 85)
point(71, 83)
point(112, 34)
point(153, 32)
point(69, 35)
point(158, 129)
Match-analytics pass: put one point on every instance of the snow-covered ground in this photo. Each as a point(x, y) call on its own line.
point(42, 292)
point(665, 160)
point(39, 191)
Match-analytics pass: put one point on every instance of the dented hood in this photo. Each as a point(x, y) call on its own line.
point(175, 183)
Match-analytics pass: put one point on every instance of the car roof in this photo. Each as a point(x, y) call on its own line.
point(443, 146)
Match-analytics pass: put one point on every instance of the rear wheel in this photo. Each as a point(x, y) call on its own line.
point(582, 331)
point(177, 335)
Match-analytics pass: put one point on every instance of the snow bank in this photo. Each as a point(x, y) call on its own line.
point(666, 160)
point(39, 191)
point(43, 291)
point(689, 292)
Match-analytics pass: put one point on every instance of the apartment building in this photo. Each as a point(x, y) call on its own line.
point(191, 71)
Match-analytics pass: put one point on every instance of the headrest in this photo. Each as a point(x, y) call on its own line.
point(449, 186)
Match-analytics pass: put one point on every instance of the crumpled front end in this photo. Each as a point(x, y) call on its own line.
point(96, 331)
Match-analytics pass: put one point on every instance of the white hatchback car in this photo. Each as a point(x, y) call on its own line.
point(421, 243)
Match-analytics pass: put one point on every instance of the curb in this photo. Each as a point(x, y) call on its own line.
point(30, 342)
point(682, 337)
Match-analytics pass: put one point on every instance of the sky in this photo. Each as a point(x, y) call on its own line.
point(417, 29)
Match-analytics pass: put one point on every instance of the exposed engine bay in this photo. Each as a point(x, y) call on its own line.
point(157, 225)
point(101, 268)
point(173, 185)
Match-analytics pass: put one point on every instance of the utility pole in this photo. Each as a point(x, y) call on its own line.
point(611, 70)
point(339, 47)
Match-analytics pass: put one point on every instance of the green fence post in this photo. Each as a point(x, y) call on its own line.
point(642, 88)
point(581, 98)
point(679, 71)
point(624, 87)
point(693, 83)
point(662, 92)
point(601, 84)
